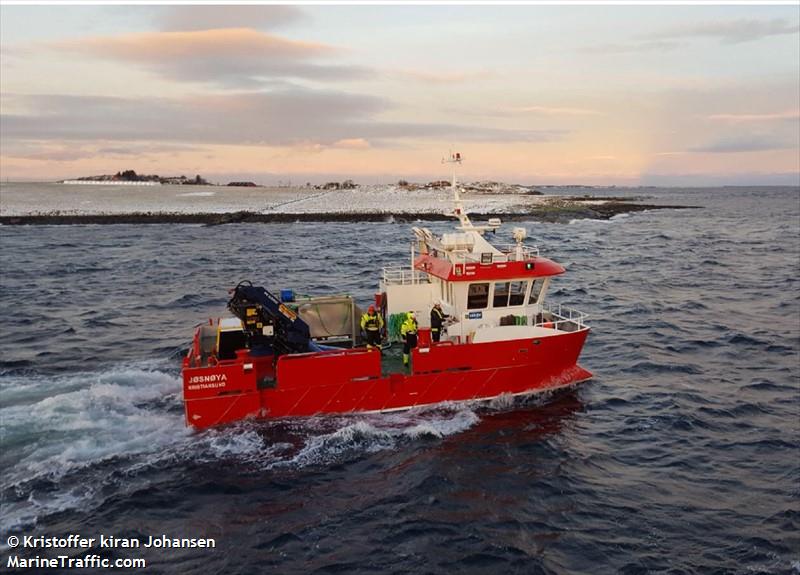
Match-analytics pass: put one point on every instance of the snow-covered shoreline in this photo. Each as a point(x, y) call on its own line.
point(27, 199)
point(57, 204)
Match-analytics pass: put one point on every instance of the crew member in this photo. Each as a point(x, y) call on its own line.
point(408, 331)
point(437, 319)
point(371, 325)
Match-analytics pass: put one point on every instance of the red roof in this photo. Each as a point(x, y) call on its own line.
point(468, 272)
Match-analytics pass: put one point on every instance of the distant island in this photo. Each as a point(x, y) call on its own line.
point(130, 176)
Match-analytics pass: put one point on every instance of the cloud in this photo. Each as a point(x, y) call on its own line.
point(560, 112)
point(229, 42)
point(730, 32)
point(443, 77)
point(745, 143)
point(755, 118)
point(635, 47)
point(279, 117)
point(460, 132)
point(554, 111)
point(733, 31)
point(46, 151)
point(352, 144)
point(282, 117)
point(267, 17)
point(231, 57)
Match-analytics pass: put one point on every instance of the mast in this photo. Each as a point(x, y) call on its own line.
point(458, 206)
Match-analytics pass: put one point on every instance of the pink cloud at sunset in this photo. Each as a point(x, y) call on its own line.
point(227, 43)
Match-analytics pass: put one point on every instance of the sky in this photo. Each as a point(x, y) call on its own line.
point(533, 94)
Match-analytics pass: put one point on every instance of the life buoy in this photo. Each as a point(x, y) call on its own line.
point(212, 361)
point(548, 324)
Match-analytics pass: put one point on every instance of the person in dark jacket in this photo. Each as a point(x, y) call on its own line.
point(437, 319)
point(371, 325)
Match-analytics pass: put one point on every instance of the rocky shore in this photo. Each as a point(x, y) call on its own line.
point(561, 210)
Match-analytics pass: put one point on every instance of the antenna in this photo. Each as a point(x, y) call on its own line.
point(458, 206)
point(453, 159)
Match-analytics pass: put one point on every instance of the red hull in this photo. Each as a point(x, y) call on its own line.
point(349, 381)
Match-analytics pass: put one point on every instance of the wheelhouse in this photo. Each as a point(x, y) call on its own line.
point(480, 286)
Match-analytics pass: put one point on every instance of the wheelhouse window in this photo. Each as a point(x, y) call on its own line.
point(516, 294)
point(500, 294)
point(509, 293)
point(536, 290)
point(478, 296)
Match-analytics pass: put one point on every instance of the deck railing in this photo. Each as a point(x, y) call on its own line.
point(403, 275)
point(508, 254)
point(560, 317)
point(510, 251)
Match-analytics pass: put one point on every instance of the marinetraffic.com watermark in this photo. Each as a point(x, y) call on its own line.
point(79, 552)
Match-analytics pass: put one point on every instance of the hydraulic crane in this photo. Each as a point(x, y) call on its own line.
point(269, 323)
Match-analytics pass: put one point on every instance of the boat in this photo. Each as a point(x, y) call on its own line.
point(287, 356)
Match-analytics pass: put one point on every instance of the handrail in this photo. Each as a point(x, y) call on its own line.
point(403, 275)
point(528, 252)
point(193, 355)
point(508, 253)
point(560, 315)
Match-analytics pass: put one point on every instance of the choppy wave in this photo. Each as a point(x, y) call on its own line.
point(588, 222)
point(113, 426)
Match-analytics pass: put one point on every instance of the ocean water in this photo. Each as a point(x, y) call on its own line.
point(681, 456)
